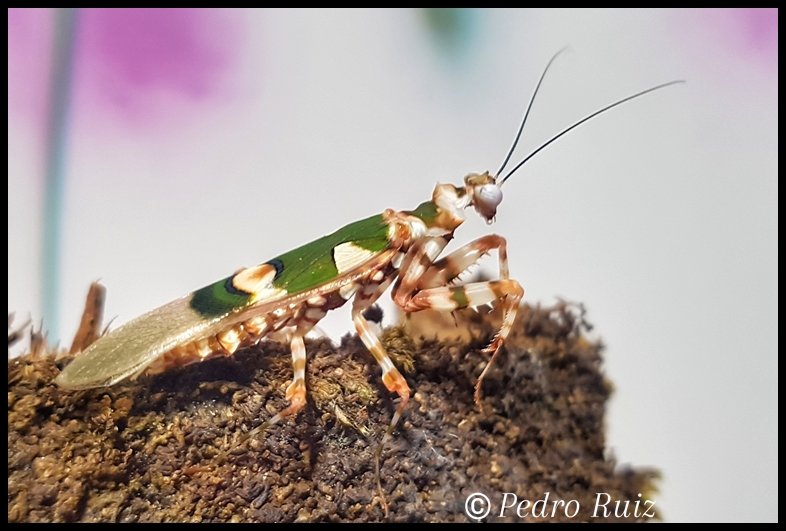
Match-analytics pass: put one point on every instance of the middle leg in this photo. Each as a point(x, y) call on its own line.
point(391, 377)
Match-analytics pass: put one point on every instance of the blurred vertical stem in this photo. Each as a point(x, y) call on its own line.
point(54, 185)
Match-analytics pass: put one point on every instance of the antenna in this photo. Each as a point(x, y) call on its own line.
point(594, 114)
point(529, 107)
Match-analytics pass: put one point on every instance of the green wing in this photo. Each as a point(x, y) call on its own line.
point(308, 267)
point(317, 262)
point(321, 265)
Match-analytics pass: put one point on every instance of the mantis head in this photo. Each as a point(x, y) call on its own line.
point(484, 193)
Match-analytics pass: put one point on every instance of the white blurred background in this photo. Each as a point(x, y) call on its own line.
point(196, 142)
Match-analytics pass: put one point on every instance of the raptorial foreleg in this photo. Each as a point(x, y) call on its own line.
point(431, 291)
point(447, 269)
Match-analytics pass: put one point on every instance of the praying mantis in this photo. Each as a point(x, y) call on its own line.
point(289, 294)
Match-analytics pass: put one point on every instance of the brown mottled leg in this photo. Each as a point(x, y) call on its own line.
point(296, 391)
point(447, 269)
point(417, 262)
point(431, 291)
point(391, 377)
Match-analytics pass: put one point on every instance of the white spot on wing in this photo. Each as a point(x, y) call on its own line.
point(348, 256)
point(258, 281)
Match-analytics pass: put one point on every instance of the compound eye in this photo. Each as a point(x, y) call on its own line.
point(490, 195)
point(486, 200)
